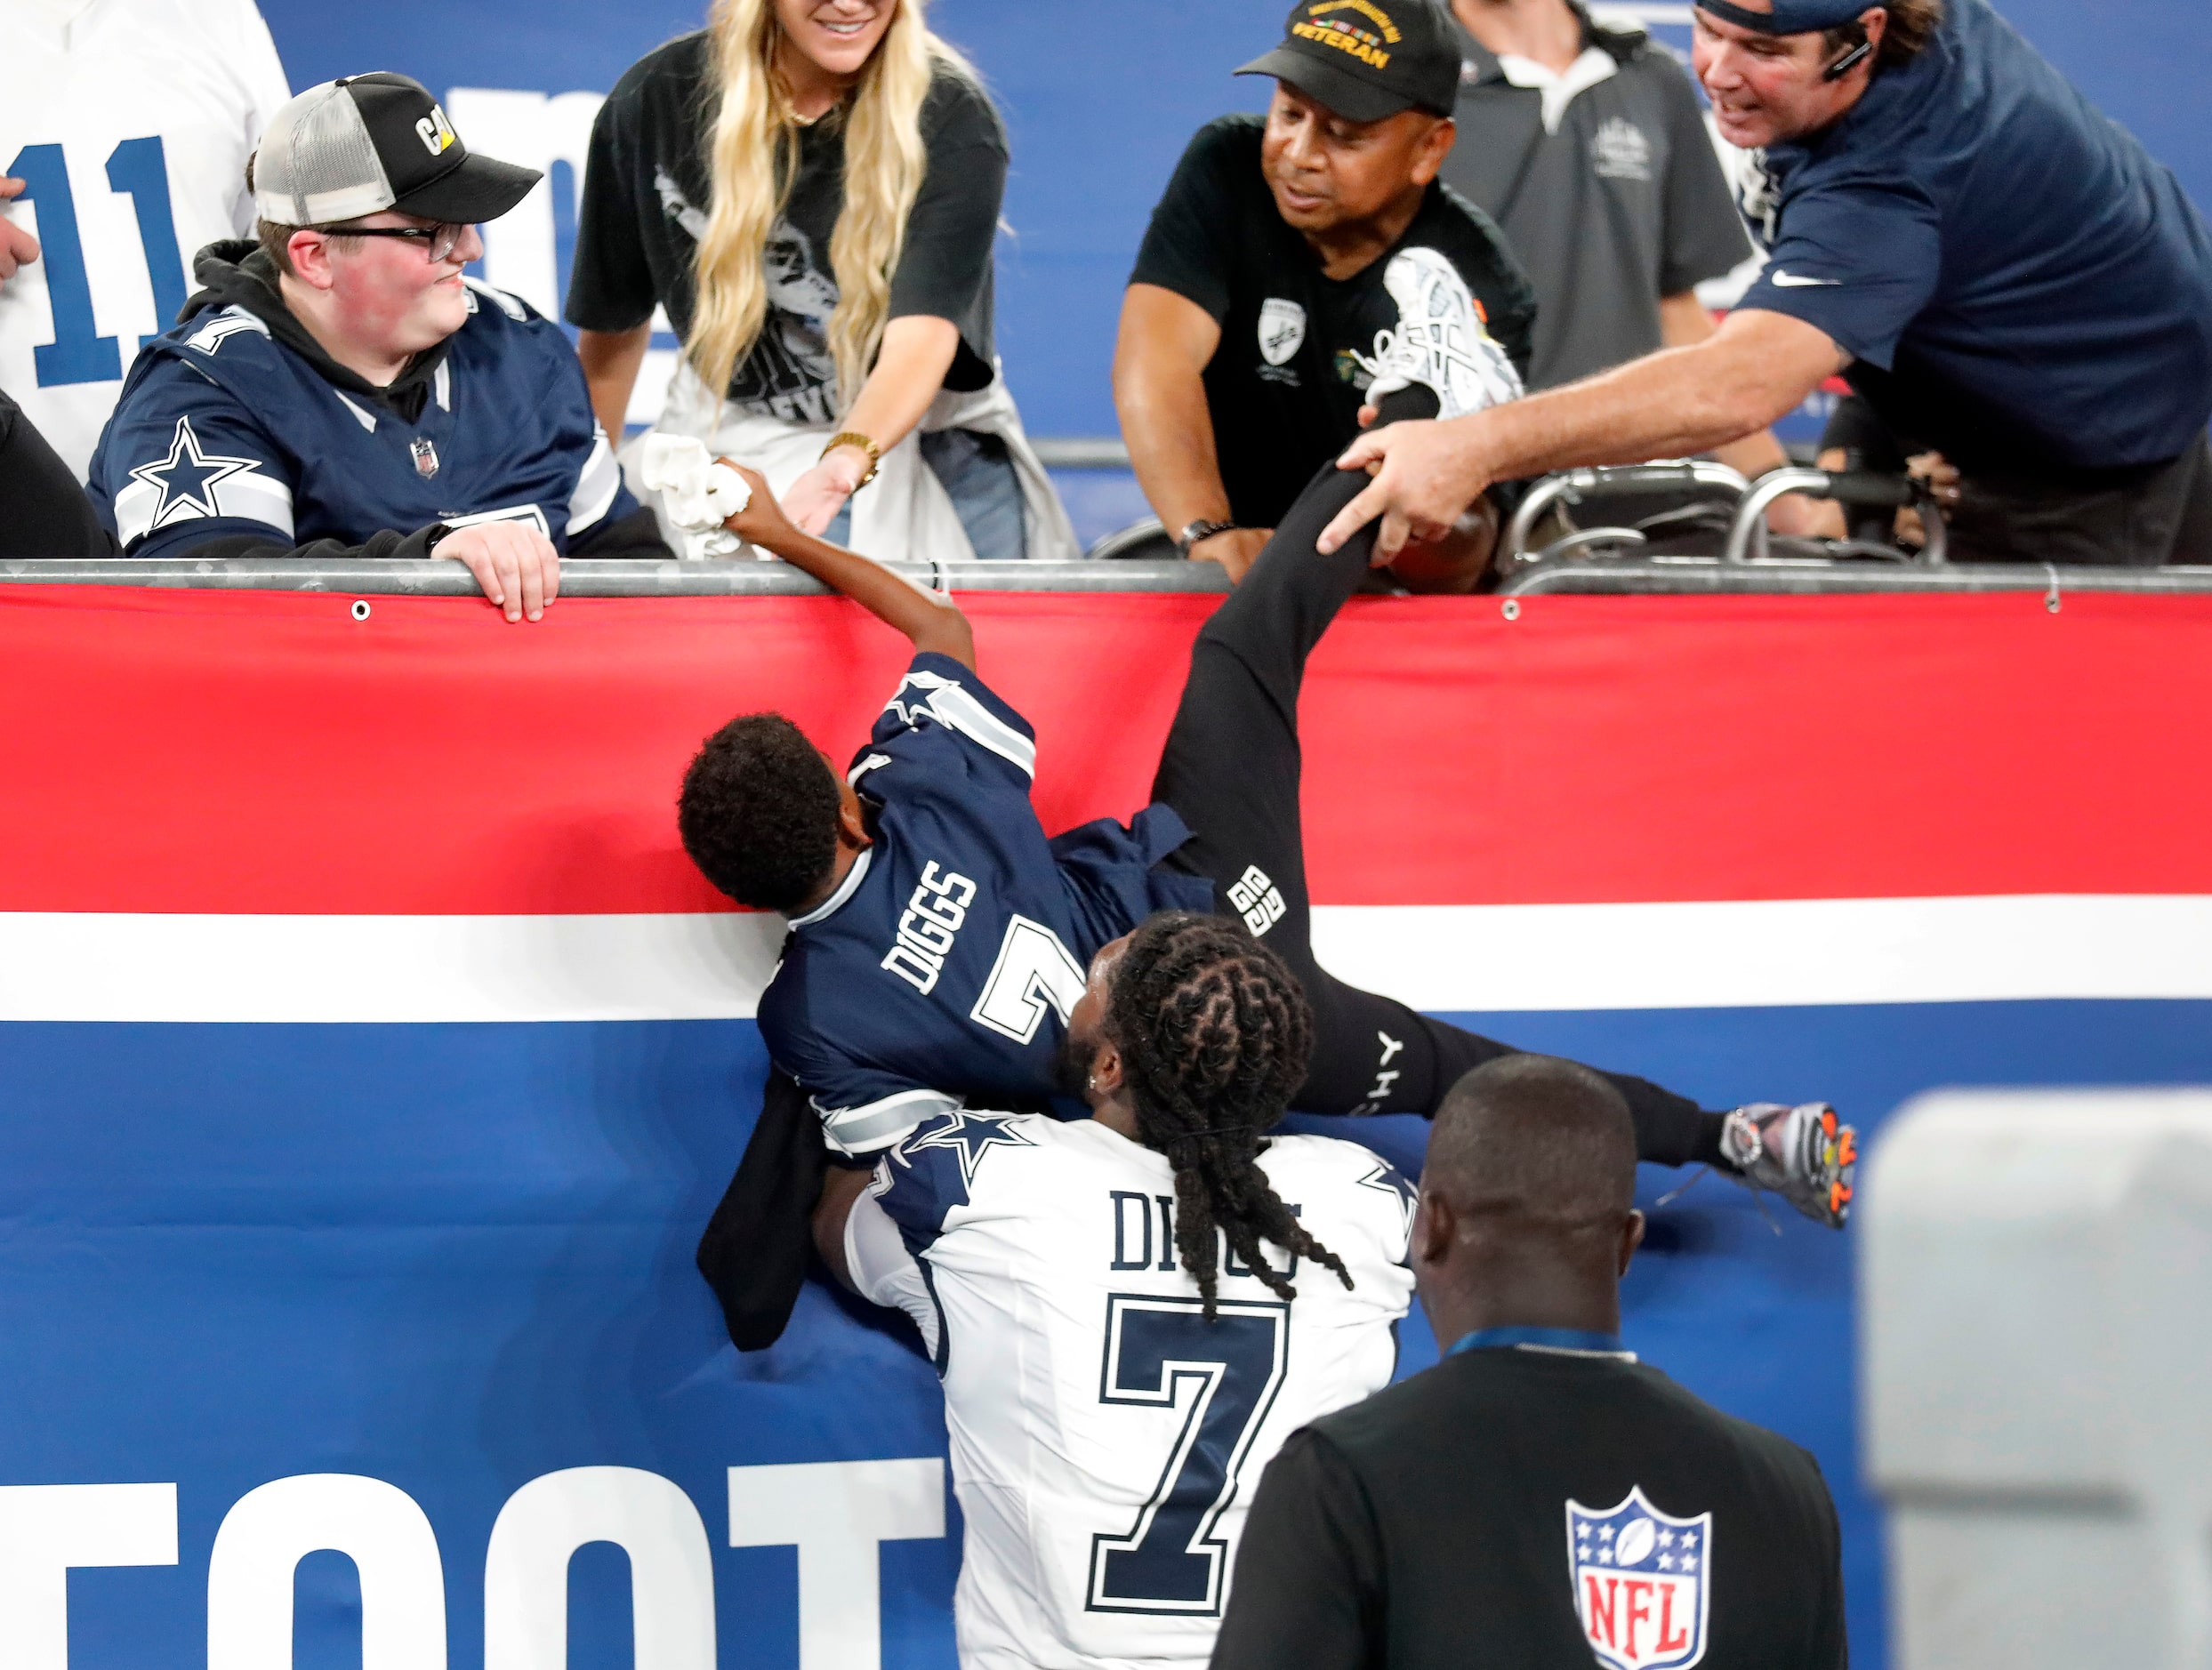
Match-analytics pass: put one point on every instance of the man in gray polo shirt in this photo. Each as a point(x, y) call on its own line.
point(1587, 146)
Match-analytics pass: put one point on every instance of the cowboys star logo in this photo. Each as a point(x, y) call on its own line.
point(187, 478)
point(970, 1136)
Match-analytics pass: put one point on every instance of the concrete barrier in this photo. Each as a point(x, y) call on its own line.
point(2038, 1378)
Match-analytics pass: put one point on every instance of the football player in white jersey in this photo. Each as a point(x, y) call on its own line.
point(125, 128)
point(1131, 1312)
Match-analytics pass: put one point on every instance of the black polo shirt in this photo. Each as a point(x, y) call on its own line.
point(1535, 1507)
point(1285, 386)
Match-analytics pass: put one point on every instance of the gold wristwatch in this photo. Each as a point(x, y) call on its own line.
point(854, 437)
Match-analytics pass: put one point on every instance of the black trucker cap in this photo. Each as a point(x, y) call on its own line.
point(354, 145)
point(1368, 59)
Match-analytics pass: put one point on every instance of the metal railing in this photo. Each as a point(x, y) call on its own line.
point(1715, 505)
point(1693, 576)
point(1746, 535)
point(586, 577)
point(1619, 560)
point(1080, 452)
point(1572, 488)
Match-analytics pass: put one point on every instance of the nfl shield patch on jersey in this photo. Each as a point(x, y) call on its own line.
point(1641, 1581)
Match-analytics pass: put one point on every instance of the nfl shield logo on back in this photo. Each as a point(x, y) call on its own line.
point(1641, 1582)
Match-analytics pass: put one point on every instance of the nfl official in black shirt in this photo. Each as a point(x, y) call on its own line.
point(1287, 250)
point(1539, 1498)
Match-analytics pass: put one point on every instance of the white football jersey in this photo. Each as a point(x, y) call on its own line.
point(132, 120)
point(1106, 1437)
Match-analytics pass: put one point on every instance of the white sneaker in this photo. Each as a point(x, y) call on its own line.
point(1441, 342)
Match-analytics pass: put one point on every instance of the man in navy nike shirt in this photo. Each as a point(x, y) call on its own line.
point(2004, 274)
point(339, 390)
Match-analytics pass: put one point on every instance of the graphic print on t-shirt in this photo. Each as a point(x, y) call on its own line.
point(1642, 1582)
point(789, 372)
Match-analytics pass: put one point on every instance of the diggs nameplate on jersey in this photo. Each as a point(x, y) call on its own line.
point(1642, 1579)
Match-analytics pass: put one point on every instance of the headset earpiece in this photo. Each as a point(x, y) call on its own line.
point(1844, 65)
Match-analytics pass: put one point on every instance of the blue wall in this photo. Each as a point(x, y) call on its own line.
point(1100, 100)
point(458, 1258)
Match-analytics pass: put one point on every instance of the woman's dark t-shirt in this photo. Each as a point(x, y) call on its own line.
point(647, 192)
point(1286, 385)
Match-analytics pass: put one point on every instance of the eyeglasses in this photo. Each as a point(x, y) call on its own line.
point(438, 241)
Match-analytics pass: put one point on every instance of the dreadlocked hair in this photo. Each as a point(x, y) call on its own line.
point(1215, 1035)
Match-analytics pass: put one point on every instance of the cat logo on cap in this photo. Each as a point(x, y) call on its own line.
point(435, 132)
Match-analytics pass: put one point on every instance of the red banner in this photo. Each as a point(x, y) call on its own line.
point(265, 752)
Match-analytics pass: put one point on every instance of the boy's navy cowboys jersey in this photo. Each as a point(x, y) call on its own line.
point(947, 963)
point(1106, 1437)
point(223, 430)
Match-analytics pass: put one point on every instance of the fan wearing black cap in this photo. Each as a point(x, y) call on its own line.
point(2004, 274)
point(338, 388)
point(1293, 261)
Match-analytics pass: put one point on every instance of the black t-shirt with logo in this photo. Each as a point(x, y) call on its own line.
point(646, 193)
point(1530, 1506)
point(1286, 385)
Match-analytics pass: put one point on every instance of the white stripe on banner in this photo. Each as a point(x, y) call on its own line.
point(1744, 954)
point(59, 967)
point(152, 968)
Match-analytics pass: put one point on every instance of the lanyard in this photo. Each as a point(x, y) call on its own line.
point(1543, 1339)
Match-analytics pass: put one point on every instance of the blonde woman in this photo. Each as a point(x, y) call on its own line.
point(811, 188)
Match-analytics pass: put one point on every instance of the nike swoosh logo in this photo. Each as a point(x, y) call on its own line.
point(1790, 281)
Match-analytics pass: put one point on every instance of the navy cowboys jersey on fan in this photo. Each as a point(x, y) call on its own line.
point(1106, 1437)
point(223, 430)
point(947, 963)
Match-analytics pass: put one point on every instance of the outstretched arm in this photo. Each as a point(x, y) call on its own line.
point(910, 371)
point(1679, 400)
point(1684, 323)
point(930, 620)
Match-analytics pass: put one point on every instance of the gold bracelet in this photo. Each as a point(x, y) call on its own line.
point(853, 437)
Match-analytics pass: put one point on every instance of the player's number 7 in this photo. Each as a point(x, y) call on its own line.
point(1034, 970)
point(1222, 1375)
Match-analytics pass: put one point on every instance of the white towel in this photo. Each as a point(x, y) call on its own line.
point(697, 494)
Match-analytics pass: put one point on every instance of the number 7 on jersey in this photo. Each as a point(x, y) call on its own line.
point(1034, 970)
point(1224, 1375)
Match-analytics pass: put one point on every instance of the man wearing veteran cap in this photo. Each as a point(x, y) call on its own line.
point(1299, 264)
point(2006, 276)
point(337, 388)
